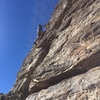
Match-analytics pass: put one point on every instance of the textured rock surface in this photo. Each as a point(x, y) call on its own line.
point(65, 65)
point(81, 87)
point(2, 97)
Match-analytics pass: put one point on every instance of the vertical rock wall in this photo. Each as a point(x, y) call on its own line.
point(65, 64)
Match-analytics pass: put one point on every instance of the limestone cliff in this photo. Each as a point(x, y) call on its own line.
point(65, 64)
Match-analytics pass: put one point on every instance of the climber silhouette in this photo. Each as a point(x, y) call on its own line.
point(40, 32)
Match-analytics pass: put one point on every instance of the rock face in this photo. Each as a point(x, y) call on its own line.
point(2, 97)
point(65, 64)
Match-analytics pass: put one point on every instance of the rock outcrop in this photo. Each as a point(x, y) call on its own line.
point(65, 64)
point(2, 96)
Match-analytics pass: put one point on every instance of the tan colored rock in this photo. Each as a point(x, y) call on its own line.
point(81, 87)
point(56, 69)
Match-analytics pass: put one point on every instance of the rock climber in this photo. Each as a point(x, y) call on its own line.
point(40, 32)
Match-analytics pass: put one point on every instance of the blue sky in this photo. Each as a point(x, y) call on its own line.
point(18, 25)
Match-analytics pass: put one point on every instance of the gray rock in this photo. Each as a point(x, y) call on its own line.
point(65, 63)
point(2, 97)
point(81, 87)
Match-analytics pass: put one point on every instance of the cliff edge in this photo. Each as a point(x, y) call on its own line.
point(65, 64)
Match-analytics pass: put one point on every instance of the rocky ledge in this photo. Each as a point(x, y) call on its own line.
point(65, 64)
